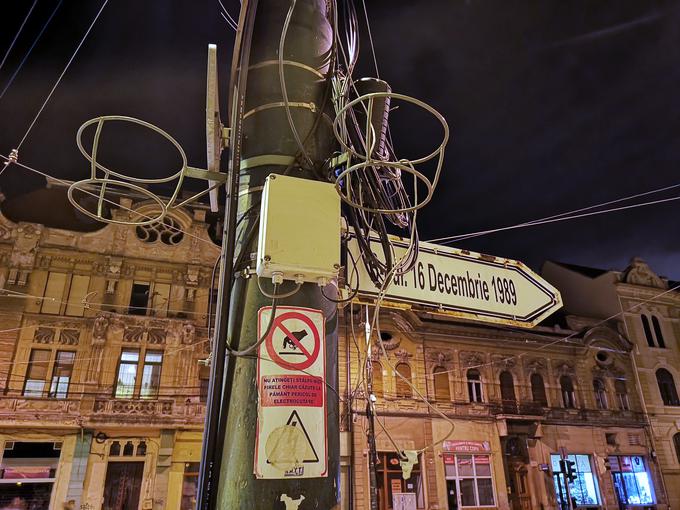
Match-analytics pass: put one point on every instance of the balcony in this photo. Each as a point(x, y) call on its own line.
point(132, 409)
point(18, 409)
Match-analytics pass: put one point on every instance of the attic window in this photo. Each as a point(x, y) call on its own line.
point(168, 231)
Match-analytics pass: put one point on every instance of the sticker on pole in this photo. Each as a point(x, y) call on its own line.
point(290, 439)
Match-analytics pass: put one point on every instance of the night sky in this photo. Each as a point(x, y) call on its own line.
point(553, 106)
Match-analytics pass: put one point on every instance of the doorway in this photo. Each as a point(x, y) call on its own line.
point(123, 485)
point(451, 495)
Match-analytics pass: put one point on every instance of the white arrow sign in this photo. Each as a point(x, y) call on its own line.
point(463, 283)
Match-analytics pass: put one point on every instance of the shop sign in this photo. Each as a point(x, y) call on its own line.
point(449, 459)
point(395, 484)
point(467, 446)
point(26, 472)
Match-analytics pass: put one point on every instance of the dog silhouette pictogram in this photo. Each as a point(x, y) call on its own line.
point(299, 335)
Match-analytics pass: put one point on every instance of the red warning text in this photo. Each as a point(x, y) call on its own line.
point(291, 390)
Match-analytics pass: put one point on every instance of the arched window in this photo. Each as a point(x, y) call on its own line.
point(538, 390)
point(567, 389)
point(403, 387)
point(648, 330)
point(669, 394)
point(377, 379)
point(676, 443)
point(657, 331)
point(474, 384)
point(507, 386)
point(622, 394)
point(442, 392)
point(600, 394)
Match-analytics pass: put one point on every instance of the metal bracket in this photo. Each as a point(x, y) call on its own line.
point(206, 175)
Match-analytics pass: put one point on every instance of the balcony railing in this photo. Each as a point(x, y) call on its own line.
point(133, 407)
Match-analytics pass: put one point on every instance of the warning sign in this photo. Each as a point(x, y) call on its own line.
point(291, 381)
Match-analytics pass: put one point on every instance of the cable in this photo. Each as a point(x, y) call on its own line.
point(56, 84)
point(25, 57)
point(370, 38)
point(231, 25)
point(275, 295)
point(21, 27)
point(564, 216)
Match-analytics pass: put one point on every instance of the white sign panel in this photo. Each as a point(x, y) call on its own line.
point(291, 377)
point(463, 283)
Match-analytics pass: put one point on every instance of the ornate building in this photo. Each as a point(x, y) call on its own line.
point(102, 327)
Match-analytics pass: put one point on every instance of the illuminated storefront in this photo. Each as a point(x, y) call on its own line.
point(27, 474)
point(583, 490)
point(631, 480)
point(469, 474)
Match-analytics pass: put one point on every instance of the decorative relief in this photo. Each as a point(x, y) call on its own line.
point(469, 359)
point(402, 355)
point(133, 334)
point(390, 344)
point(69, 337)
point(639, 273)
point(44, 335)
point(536, 364)
point(439, 357)
point(99, 328)
point(188, 333)
point(504, 361)
point(401, 323)
point(192, 275)
point(133, 407)
point(564, 367)
point(156, 336)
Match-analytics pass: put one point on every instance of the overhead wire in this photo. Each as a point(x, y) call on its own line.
point(16, 36)
point(30, 49)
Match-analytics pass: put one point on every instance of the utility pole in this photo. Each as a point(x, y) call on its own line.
point(266, 144)
point(370, 416)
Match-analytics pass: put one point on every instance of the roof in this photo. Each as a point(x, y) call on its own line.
point(590, 272)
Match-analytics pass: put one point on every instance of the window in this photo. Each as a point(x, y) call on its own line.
point(472, 475)
point(567, 390)
point(36, 375)
point(54, 292)
point(507, 387)
point(583, 489)
point(151, 375)
point(75, 305)
point(28, 474)
point(631, 480)
point(61, 374)
point(600, 394)
point(167, 230)
point(676, 443)
point(669, 393)
point(403, 382)
point(139, 299)
point(657, 331)
point(127, 383)
point(647, 330)
point(160, 299)
point(204, 383)
point(622, 394)
point(538, 390)
point(442, 392)
point(127, 374)
point(474, 384)
point(190, 486)
point(378, 387)
point(654, 339)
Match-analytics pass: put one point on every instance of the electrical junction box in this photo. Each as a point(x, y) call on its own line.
point(299, 236)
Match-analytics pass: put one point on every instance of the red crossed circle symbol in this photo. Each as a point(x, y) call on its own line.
point(309, 357)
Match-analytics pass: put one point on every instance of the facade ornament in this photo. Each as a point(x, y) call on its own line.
point(564, 367)
point(470, 359)
point(389, 344)
point(502, 361)
point(536, 364)
point(101, 324)
point(191, 277)
point(402, 355)
point(439, 357)
point(402, 324)
point(188, 333)
point(639, 273)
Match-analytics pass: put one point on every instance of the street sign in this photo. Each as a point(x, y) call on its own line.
point(291, 377)
point(463, 284)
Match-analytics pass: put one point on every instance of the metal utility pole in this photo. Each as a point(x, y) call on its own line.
point(370, 416)
point(264, 142)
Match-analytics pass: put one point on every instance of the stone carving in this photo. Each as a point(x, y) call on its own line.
point(401, 322)
point(563, 367)
point(439, 357)
point(536, 364)
point(191, 277)
point(188, 333)
point(156, 336)
point(69, 337)
point(133, 334)
point(44, 335)
point(503, 361)
point(469, 359)
point(403, 355)
point(390, 343)
point(639, 273)
point(101, 324)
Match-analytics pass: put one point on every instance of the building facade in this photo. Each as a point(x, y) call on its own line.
point(514, 403)
point(102, 394)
